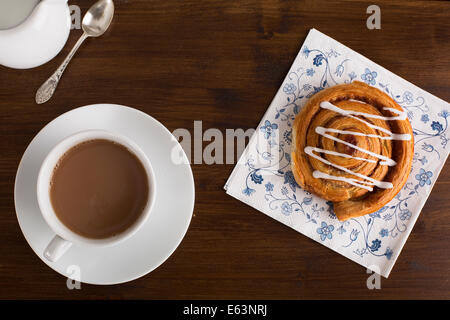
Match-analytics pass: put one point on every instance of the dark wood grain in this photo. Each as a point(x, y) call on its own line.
point(222, 62)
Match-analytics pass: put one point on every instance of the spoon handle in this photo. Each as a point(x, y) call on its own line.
point(45, 92)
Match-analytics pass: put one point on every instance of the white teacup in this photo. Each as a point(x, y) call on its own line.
point(64, 237)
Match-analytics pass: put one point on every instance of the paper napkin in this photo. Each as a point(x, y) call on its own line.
point(263, 178)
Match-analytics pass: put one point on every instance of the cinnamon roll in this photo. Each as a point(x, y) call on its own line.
point(352, 145)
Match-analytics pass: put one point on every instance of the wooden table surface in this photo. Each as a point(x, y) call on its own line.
point(222, 62)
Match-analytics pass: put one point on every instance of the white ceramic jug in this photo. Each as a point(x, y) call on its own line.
point(39, 38)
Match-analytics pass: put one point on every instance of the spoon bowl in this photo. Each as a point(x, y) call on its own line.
point(98, 18)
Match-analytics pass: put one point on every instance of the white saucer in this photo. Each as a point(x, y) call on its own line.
point(167, 223)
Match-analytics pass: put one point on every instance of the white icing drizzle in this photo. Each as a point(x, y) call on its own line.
point(386, 161)
point(357, 183)
point(340, 154)
point(320, 174)
point(368, 182)
point(401, 115)
point(392, 136)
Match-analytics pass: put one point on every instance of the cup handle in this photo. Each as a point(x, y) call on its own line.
point(56, 248)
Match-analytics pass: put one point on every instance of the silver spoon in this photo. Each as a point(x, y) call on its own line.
point(95, 22)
